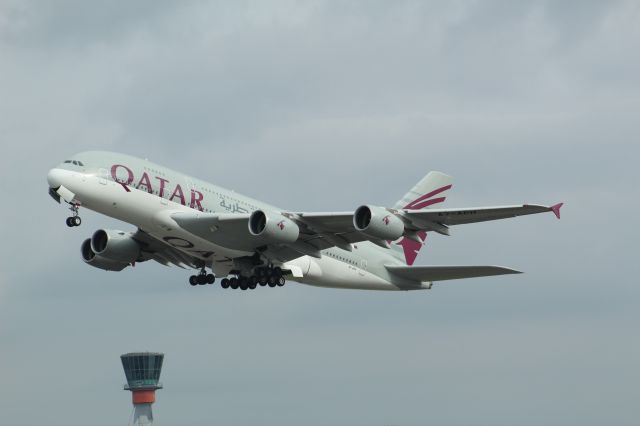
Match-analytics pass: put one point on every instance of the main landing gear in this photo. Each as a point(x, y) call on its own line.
point(74, 220)
point(202, 278)
point(263, 276)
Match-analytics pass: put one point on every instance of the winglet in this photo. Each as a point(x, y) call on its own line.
point(556, 209)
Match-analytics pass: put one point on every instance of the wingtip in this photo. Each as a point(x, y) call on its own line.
point(506, 270)
point(556, 209)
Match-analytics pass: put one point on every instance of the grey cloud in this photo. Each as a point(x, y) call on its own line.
point(325, 106)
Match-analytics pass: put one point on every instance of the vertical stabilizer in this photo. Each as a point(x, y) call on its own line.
point(430, 191)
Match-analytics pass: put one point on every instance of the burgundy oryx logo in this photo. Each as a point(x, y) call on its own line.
point(280, 225)
point(386, 219)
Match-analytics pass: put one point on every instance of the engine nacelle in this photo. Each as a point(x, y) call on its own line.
point(378, 222)
point(91, 258)
point(276, 228)
point(115, 245)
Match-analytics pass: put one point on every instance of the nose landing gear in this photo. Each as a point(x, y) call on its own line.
point(74, 220)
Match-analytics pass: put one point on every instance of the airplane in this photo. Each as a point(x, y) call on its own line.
point(187, 222)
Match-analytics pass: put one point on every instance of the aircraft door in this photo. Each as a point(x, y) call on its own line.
point(363, 267)
point(103, 176)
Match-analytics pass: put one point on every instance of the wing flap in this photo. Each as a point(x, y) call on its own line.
point(443, 273)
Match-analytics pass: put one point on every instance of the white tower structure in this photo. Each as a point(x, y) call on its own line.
point(143, 374)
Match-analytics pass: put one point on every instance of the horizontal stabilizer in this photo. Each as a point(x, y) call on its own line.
point(441, 273)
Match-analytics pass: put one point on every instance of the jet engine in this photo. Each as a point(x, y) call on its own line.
point(115, 245)
point(378, 223)
point(98, 261)
point(276, 228)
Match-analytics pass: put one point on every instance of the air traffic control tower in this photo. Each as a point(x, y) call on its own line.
point(143, 372)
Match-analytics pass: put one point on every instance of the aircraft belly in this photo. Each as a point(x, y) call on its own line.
point(328, 272)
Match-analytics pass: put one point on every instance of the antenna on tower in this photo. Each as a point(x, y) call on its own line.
point(143, 374)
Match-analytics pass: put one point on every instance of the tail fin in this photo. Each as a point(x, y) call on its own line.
point(429, 191)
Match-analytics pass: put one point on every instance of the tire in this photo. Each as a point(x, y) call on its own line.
point(277, 272)
point(224, 283)
point(281, 281)
point(193, 280)
point(233, 283)
point(202, 279)
point(211, 279)
point(76, 221)
point(253, 286)
point(272, 283)
point(244, 284)
point(263, 281)
point(69, 223)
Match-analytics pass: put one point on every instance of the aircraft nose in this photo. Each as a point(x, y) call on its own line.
point(54, 177)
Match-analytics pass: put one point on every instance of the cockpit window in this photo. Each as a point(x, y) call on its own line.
point(80, 163)
point(67, 161)
point(75, 162)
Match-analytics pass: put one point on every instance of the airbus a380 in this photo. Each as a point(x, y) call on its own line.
point(190, 223)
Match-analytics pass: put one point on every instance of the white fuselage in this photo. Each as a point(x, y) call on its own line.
point(146, 195)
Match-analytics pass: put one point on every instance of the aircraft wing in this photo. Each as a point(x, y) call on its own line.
point(442, 273)
point(319, 231)
point(153, 249)
point(440, 219)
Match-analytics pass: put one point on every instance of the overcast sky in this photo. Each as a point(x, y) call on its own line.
point(326, 106)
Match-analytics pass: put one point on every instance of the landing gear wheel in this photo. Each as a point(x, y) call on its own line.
point(202, 279)
point(74, 219)
point(253, 286)
point(193, 280)
point(272, 282)
point(263, 281)
point(233, 283)
point(211, 279)
point(281, 281)
point(277, 272)
point(243, 283)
